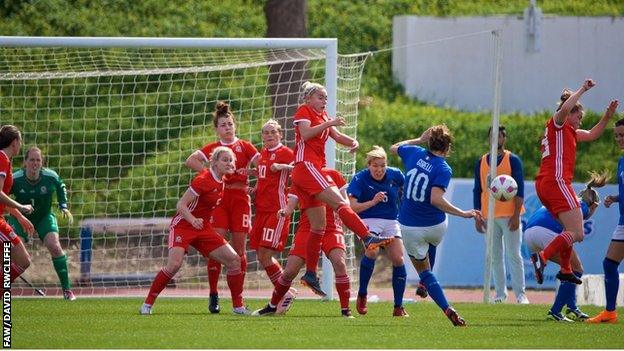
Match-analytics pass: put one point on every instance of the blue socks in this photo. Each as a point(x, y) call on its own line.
point(572, 297)
point(399, 278)
point(434, 289)
point(566, 295)
point(367, 266)
point(432, 253)
point(612, 282)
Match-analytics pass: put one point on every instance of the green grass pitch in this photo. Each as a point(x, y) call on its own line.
point(186, 323)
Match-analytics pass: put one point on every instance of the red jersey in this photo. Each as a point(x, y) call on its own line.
point(5, 170)
point(333, 224)
point(558, 152)
point(271, 188)
point(313, 149)
point(244, 152)
point(209, 191)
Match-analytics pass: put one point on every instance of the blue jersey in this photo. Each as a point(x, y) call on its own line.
point(543, 218)
point(363, 187)
point(423, 171)
point(620, 173)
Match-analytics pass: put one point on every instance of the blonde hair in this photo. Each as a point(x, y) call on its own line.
point(274, 123)
point(376, 152)
point(216, 153)
point(565, 95)
point(589, 195)
point(308, 88)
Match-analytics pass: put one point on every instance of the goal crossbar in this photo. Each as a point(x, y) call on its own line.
point(168, 43)
point(50, 99)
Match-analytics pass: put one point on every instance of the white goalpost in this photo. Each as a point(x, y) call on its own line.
point(496, 97)
point(117, 117)
point(450, 64)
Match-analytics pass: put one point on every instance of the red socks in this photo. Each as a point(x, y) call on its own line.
point(160, 281)
point(235, 281)
point(16, 271)
point(214, 270)
point(244, 265)
point(562, 242)
point(313, 249)
point(244, 262)
point(565, 264)
point(274, 271)
point(343, 286)
point(281, 288)
point(352, 221)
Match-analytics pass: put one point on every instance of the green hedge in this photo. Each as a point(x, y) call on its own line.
point(368, 26)
point(384, 123)
point(390, 116)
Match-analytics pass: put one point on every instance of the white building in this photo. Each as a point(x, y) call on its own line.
point(541, 56)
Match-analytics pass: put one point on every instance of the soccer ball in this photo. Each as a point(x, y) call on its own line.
point(504, 187)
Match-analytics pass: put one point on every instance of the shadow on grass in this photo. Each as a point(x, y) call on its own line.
point(498, 325)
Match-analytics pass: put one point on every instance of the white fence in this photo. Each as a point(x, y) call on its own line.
point(592, 291)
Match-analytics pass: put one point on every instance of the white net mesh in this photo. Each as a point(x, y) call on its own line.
point(117, 125)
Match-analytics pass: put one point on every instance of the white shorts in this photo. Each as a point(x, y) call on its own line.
point(537, 238)
point(385, 228)
point(618, 233)
point(417, 239)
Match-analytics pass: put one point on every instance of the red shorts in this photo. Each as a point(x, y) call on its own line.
point(331, 240)
point(305, 200)
point(310, 179)
point(205, 240)
point(269, 231)
point(7, 233)
point(234, 212)
point(556, 196)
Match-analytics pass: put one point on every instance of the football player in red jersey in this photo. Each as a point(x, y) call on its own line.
point(554, 180)
point(234, 212)
point(312, 129)
point(269, 232)
point(10, 144)
point(191, 227)
point(333, 245)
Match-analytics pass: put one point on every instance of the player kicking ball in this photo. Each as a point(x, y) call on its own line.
point(423, 209)
point(333, 245)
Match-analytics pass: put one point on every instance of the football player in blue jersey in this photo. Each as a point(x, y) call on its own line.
point(615, 252)
point(374, 196)
point(542, 227)
point(423, 209)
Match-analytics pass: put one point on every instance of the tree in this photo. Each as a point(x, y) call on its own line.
point(286, 19)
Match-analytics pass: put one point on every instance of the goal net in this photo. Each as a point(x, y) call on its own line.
point(116, 119)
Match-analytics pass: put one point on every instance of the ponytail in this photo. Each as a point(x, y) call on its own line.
point(597, 180)
point(8, 133)
point(565, 95)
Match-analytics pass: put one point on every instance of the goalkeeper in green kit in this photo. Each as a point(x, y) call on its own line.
point(35, 185)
